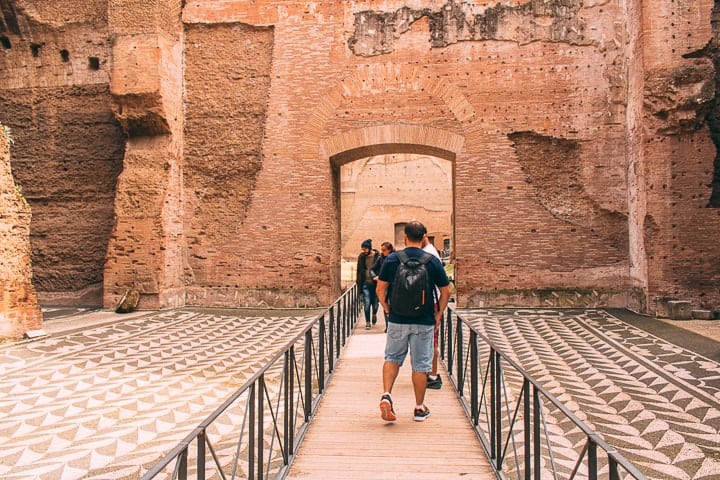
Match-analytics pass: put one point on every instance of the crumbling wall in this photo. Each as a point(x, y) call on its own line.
point(583, 165)
point(377, 32)
point(19, 310)
point(146, 252)
point(68, 147)
point(553, 167)
point(683, 220)
point(227, 80)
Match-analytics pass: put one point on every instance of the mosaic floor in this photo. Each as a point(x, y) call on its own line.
point(656, 403)
point(99, 402)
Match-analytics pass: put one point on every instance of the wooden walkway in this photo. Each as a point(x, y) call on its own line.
point(348, 439)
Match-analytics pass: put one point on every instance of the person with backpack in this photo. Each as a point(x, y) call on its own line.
point(365, 282)
point(405, 291)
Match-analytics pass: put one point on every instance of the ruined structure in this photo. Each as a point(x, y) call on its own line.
point(19, 310)
point(379, 194)
point(190, 150)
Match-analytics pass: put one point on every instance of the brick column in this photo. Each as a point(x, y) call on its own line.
point(19, 310)
point(146, 250)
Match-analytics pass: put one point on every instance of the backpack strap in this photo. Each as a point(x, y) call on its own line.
point(402, 256)
point(426, 257)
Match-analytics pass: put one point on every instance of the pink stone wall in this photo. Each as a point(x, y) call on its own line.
point(19, 310)
point(582, 163)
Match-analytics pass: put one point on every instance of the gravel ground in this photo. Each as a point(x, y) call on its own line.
point(706, 328)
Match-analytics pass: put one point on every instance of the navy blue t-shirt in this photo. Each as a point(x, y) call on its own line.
point(438, 278)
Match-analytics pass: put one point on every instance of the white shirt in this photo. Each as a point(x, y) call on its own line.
point(430, 248)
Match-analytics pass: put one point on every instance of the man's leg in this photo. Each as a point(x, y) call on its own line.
point(396, 348)
point(419, 381)
point(367, 305)
point(436, 351)
point(434, 381)
point(421, 354)
point(390, 373)
point(374, 301)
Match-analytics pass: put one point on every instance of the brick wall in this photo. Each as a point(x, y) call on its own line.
point(68, 147)
point(581, 160)
point(19, 310)
point(379, 192)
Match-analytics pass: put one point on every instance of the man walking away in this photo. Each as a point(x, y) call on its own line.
point(410, 315)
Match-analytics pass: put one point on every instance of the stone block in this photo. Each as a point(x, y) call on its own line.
point(679, 310)
point(128, 302)
point(702, 314)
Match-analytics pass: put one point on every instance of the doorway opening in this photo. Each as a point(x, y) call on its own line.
point(380, 193)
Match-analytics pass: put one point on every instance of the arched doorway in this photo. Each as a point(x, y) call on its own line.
point(379, 194)
point(388, 162)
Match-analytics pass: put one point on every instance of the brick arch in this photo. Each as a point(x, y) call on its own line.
point(377, 78)
point(388, 139)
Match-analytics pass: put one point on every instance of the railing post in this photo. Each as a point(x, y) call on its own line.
point(592, 460)
point(494, 447)
point(348, 319)
point(497, 401)
point(474, 409)
point(182, 468)
point(287, 393)
point(450, 343)
point(321, 355)
point(331, 339)
point(201, 455)
point(344, 320)
point(251, 443)
point(338, 328)
point(613, 467)
point(459, 355)
point(260, 429)
point(537, 441)
point(291, 399)
point(526, 429)
point(308, 375)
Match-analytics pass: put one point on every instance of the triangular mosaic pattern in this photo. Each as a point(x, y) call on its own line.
point(656, 403)
point(106, 401)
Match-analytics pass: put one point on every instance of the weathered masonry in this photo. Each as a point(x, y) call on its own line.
point(191, 149)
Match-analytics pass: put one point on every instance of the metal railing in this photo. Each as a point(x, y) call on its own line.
point(526, 432)
point(255, 433)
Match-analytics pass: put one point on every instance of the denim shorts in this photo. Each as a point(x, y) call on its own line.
point(419, 339)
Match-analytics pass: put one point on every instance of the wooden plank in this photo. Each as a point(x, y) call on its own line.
point(348, 439)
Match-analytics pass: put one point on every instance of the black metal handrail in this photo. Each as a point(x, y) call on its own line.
point(510, 412)
point(276, 405)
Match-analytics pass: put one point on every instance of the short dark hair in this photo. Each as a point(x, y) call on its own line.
point(415, 231)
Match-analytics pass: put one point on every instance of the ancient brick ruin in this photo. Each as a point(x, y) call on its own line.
point(19, 310)
point(191, 150)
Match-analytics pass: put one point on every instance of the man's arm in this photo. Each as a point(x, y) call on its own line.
point(442, 302)
point(381, 290)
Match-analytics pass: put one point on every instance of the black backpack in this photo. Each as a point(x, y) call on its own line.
point(411, 290)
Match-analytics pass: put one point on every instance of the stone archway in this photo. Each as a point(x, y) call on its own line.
point(425, 151)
